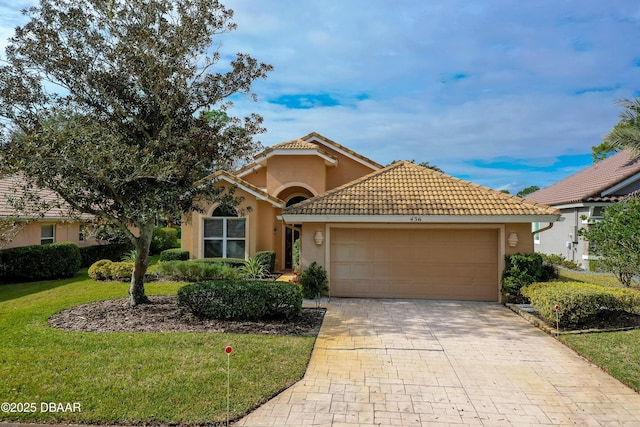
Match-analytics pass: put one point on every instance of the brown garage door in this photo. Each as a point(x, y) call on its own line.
point(415, 263)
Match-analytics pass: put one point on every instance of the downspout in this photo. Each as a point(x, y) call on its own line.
point(548, 227)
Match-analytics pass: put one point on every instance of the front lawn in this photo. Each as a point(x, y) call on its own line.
point(130, 378)
point(618, 353)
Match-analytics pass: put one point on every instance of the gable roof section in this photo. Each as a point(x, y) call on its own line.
point(296, 147)
point(322, 140)
point(259, 194)
point(594, 183)
point(405, 192)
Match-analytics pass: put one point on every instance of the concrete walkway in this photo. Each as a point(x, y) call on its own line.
point(429, 363)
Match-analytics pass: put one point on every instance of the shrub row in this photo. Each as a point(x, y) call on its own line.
point(233, 262)
point(106, 269)
point(241, 300)
point(40, 262)
point(522, 270)
point(112, 251)
point(175, 254)
point(579, 302)
point(194, 271)
point(559, 260)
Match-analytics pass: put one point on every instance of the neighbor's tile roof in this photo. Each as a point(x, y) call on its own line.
point(589, 183)
point(11, 187)
point(408, 189)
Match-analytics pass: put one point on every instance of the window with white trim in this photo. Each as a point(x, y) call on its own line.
point(225, 234)
point(536, 237)
point(47, 234)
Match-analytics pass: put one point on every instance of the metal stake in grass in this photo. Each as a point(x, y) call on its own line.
point(557, 308)
point(228, 350)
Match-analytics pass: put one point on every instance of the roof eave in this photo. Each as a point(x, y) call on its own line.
point(418, 219)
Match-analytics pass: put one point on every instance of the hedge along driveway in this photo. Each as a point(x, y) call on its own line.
point(129, 378)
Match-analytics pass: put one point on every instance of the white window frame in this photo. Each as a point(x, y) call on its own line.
point(225, 222)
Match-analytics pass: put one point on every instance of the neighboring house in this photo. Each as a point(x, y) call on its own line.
point(582, 198)
point(398, 231)
point(32, 227)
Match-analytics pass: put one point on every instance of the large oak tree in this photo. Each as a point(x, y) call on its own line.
point(120, 106)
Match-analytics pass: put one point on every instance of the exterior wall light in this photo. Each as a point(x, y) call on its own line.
point(318, 238)
point(513, 240)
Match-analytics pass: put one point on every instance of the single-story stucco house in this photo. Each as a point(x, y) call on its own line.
point(582, 198)
point(401, 231)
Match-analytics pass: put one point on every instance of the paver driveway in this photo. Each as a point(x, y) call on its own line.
point(417, 362)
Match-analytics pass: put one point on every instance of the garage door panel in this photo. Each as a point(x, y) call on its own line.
point(427, 263)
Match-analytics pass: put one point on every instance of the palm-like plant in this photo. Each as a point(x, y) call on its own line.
point(254, 269)
point(626, 134)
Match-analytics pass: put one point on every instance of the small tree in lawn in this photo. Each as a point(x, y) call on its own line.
point(617, 241)
point(120, 107)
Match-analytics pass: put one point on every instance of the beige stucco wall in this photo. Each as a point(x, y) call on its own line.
point(64, 232)
point(525, 238)
point(305, 171)
point(347, 170)
point(257, 178)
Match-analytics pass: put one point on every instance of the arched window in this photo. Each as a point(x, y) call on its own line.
point(224, 234)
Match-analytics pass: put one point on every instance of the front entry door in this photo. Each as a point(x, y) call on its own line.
point(292, 233)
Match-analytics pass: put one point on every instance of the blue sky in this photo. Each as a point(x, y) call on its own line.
point(505, 94)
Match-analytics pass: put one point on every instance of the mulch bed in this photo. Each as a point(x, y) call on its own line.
point(164, 315)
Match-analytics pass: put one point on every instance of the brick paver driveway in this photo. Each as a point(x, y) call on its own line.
point(417, 362)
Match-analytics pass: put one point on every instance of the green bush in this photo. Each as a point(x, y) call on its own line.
point(241, 300)
point(175, 254)
point(233, 262)
point(112, 251)
point(164, 238)
point(100, 270)
point(313, 281)
point(579, 302)
point(522, 270)
point(106, 269)
point(296, 255)
point(268, 259)
point(41, 262)
point(193, 271)
point(559, 260)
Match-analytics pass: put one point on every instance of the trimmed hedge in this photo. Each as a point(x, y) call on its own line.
point(241, 300)
point(233, 262)
point(106, 269)
point(192, 271)
point(112, 251)
point(164, 238)
point(268, 259)
point(579, 302)
point(40, 262)
point(175, 254)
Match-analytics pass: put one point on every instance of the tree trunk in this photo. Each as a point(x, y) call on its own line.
point(142, 245)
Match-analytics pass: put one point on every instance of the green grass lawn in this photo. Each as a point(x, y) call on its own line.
point(618, 353)
point(131, 378)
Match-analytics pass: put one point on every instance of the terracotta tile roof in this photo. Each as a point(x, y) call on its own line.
point(404, 188)
point(335, 145)
point(589, 183)
point(295, 144)
point(11, 186)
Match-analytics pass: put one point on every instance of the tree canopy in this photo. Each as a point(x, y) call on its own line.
point(616, 240)
point(121, 106)
point(526, 191)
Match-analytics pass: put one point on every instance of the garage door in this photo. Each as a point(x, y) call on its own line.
point(410, 263)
